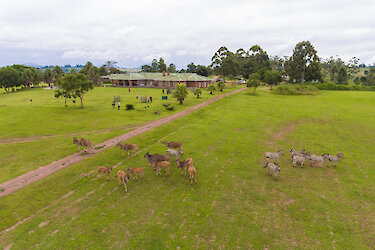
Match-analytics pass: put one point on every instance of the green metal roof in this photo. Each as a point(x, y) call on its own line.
point(181, 77)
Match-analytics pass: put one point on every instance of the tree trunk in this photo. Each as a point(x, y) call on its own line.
point(66, 105)
point(254, 90)
point(81, 97)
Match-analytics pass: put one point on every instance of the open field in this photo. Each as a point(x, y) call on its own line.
point(48, 128)
point(235, 203)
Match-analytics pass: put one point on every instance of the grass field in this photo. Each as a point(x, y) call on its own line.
point(53, 126)
point(235, 203)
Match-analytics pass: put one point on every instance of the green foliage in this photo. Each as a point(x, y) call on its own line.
point(342, 77)
point(129, 106)
point(304, 64)
point(253, 81)
point(333, 86)
point(73, 85)
point(211, 88)
point(220, 85)
point(10, 78)
point(198, 92)
point(296, 89)
point(180, 92)
point(272, 77)
point(169, 107)
point(92, 72)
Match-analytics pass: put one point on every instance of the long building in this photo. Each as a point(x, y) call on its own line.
point(157, 80)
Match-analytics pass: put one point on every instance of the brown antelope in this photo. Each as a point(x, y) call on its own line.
point(82, 142)
point(192, 174)
point(136, 171)
point(156, 158)
point(123, 178)
point(105, 170)
point(184, 164)
point(162, 165)
point(127, 147)
point(172, 144)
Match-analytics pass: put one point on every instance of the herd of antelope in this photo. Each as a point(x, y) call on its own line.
point(300, 157)
point(157, 161)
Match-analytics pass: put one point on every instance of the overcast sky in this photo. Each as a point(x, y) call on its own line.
point(50, 32)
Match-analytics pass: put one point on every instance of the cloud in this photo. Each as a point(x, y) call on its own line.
point(136, 32)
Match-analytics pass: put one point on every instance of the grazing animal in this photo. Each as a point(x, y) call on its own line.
point(295, 152)
point(317, 160)
point(184, 164)
point(334, 158)
point(156, 158)
point(123, 178)
point(275, 156)
point(127, 147)
point(82, 142)
point(105, 170)
point(172, 144)
point(273, 169)
point(136, 171)
point(192, 174)
point(175, 153)
point(298, 159)
point(158, 166)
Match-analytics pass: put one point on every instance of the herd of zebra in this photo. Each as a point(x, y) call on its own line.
point(300, 157)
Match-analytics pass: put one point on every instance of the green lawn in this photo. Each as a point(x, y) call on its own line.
point(235, 203)
point(47, 116)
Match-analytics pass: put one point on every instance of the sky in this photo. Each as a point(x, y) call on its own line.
point(132, 33)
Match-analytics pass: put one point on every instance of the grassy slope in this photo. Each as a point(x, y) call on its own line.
point(48, 116)
point(234, 203)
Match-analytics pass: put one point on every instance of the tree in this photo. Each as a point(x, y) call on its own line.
point(154, 66)
point(10, 78)
point(57, 73)
point(73, 85)
point(272, 77)
point(197, 92)
point(220, 85)
point(297, 66)
point(146, 68)
point(172, 68)
point(229, 65)
point(253, 81)
point(191, 68)
point(48, 76)
point(180, 92)
point(203, 70)
point(342, 77)
point(211, 88)
point(161, 65)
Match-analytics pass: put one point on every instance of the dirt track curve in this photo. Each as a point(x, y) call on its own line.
point(39, 173)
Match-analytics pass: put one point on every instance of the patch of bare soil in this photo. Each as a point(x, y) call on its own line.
point(42, 172)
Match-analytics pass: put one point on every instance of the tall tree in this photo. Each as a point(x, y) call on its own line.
point(297, 66)
point(10, 78)
point(172, 68)
point(342, 77)
point(161, 64)
point(155, 66)
point(57, 73)
point(272, 77)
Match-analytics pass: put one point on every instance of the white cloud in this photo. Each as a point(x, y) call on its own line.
point(134, 32)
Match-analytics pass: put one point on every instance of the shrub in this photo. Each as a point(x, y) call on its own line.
point(129, 106)
point(296, 89)
point(332, 86)
point(169, 107)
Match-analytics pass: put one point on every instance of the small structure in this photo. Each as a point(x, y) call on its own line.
point(157, 80)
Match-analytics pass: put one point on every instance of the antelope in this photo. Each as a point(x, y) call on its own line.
point(172, 144)
point(274, 169)
point(298, 159)
point(162, 165)
point(127, 147)
point(156, 158)
point(105, 170)
point(317, 159)
point(184, 164)
point(295, 152)
point(123, 178)
point(175, 153)
point(136, 171)
point(192, 174)
point(82, 142)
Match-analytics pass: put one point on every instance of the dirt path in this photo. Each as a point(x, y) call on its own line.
point(39, 173)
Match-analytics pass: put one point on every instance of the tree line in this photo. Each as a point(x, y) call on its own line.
point(15, 76)
point(161, 66)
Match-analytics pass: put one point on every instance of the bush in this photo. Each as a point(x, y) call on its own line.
point(296, 89)
point(169, 107)
point(129, 106)
point(332, 86)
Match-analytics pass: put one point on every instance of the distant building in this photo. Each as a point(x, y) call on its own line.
point(157, 80)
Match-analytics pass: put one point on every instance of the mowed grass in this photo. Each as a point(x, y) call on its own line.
point(235, 203)
point(53, 126)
